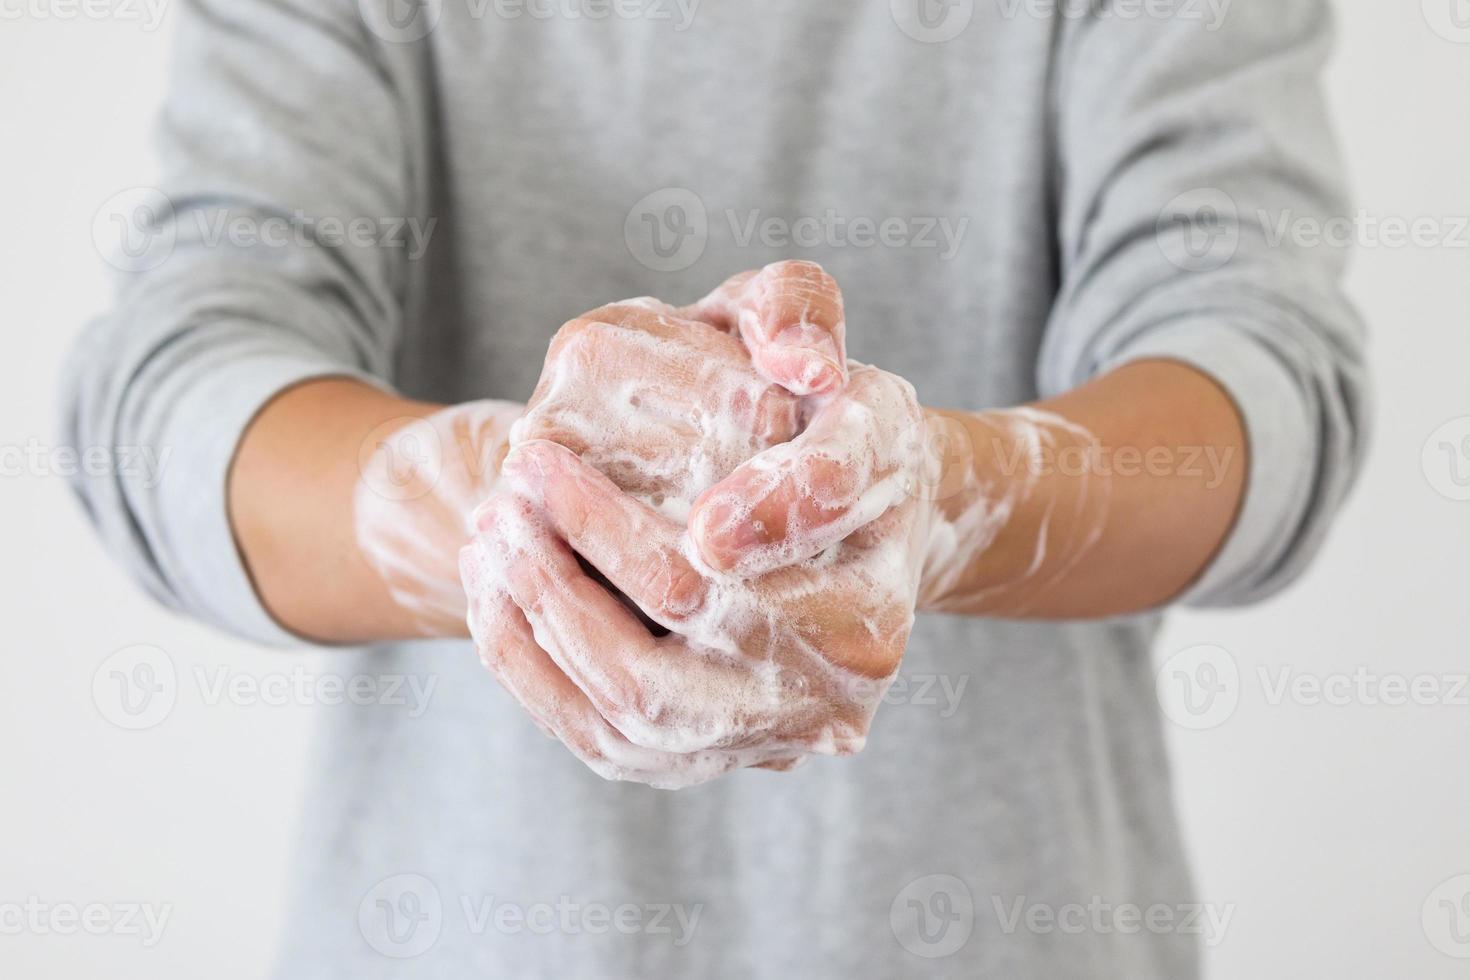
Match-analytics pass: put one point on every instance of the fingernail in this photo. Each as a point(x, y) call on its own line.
point(827, 376)
point(805, 336)
point(807, 374)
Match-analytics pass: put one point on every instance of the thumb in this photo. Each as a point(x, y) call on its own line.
point(791, 319)
point(792, 501)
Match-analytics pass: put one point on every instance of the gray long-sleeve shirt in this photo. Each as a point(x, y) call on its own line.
point(1015, 197)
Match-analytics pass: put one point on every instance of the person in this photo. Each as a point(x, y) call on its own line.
point(1050, 229)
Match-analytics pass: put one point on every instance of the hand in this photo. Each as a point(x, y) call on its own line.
point(666, 407)
point(757, 670)
point(663, 405)
point(1009, 501)
point(421, 477)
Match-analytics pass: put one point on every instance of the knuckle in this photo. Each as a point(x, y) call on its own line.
point(776, 415)
point(552, 422)
point(634, 714)
point(585, 747)
point(492, 653)
point(576, 344)
point(830, 482)
point(572, 329)
point(672, 587)
point(799, 269)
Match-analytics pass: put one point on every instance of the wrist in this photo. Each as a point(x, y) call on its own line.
point(1022, 500)
point(419, 484)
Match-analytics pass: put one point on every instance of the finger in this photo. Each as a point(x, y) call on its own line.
point(656, 693)
point(639, 550)
point(782, 765)
point(660, 381)
point(492, 621)
point(793, 501)
point(508, 648)
point(592, 637)
point(721, 308)
point(659, 693)
point(791, 317)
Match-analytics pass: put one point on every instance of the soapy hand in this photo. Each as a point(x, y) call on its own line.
point(660, 404)
point(752, 671)
point(781, 608)
point(663, 405)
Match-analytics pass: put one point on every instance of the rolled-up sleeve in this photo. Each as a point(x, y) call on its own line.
point(280, 130)
point(1191, 156)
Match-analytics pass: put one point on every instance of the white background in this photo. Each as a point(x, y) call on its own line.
point(1327, 828)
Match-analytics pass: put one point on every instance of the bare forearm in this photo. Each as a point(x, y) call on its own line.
point(291, 492)
point(1108, 500)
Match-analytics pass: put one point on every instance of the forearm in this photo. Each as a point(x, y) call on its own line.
point(291, 500)
point(1114, 507)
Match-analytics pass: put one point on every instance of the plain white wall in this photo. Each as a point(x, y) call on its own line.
point(1332, 827)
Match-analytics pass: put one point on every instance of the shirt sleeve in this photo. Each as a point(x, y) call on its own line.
point(268, 255)
point(1187, 150)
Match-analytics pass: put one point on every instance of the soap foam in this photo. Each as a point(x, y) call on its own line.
point(413, 504)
